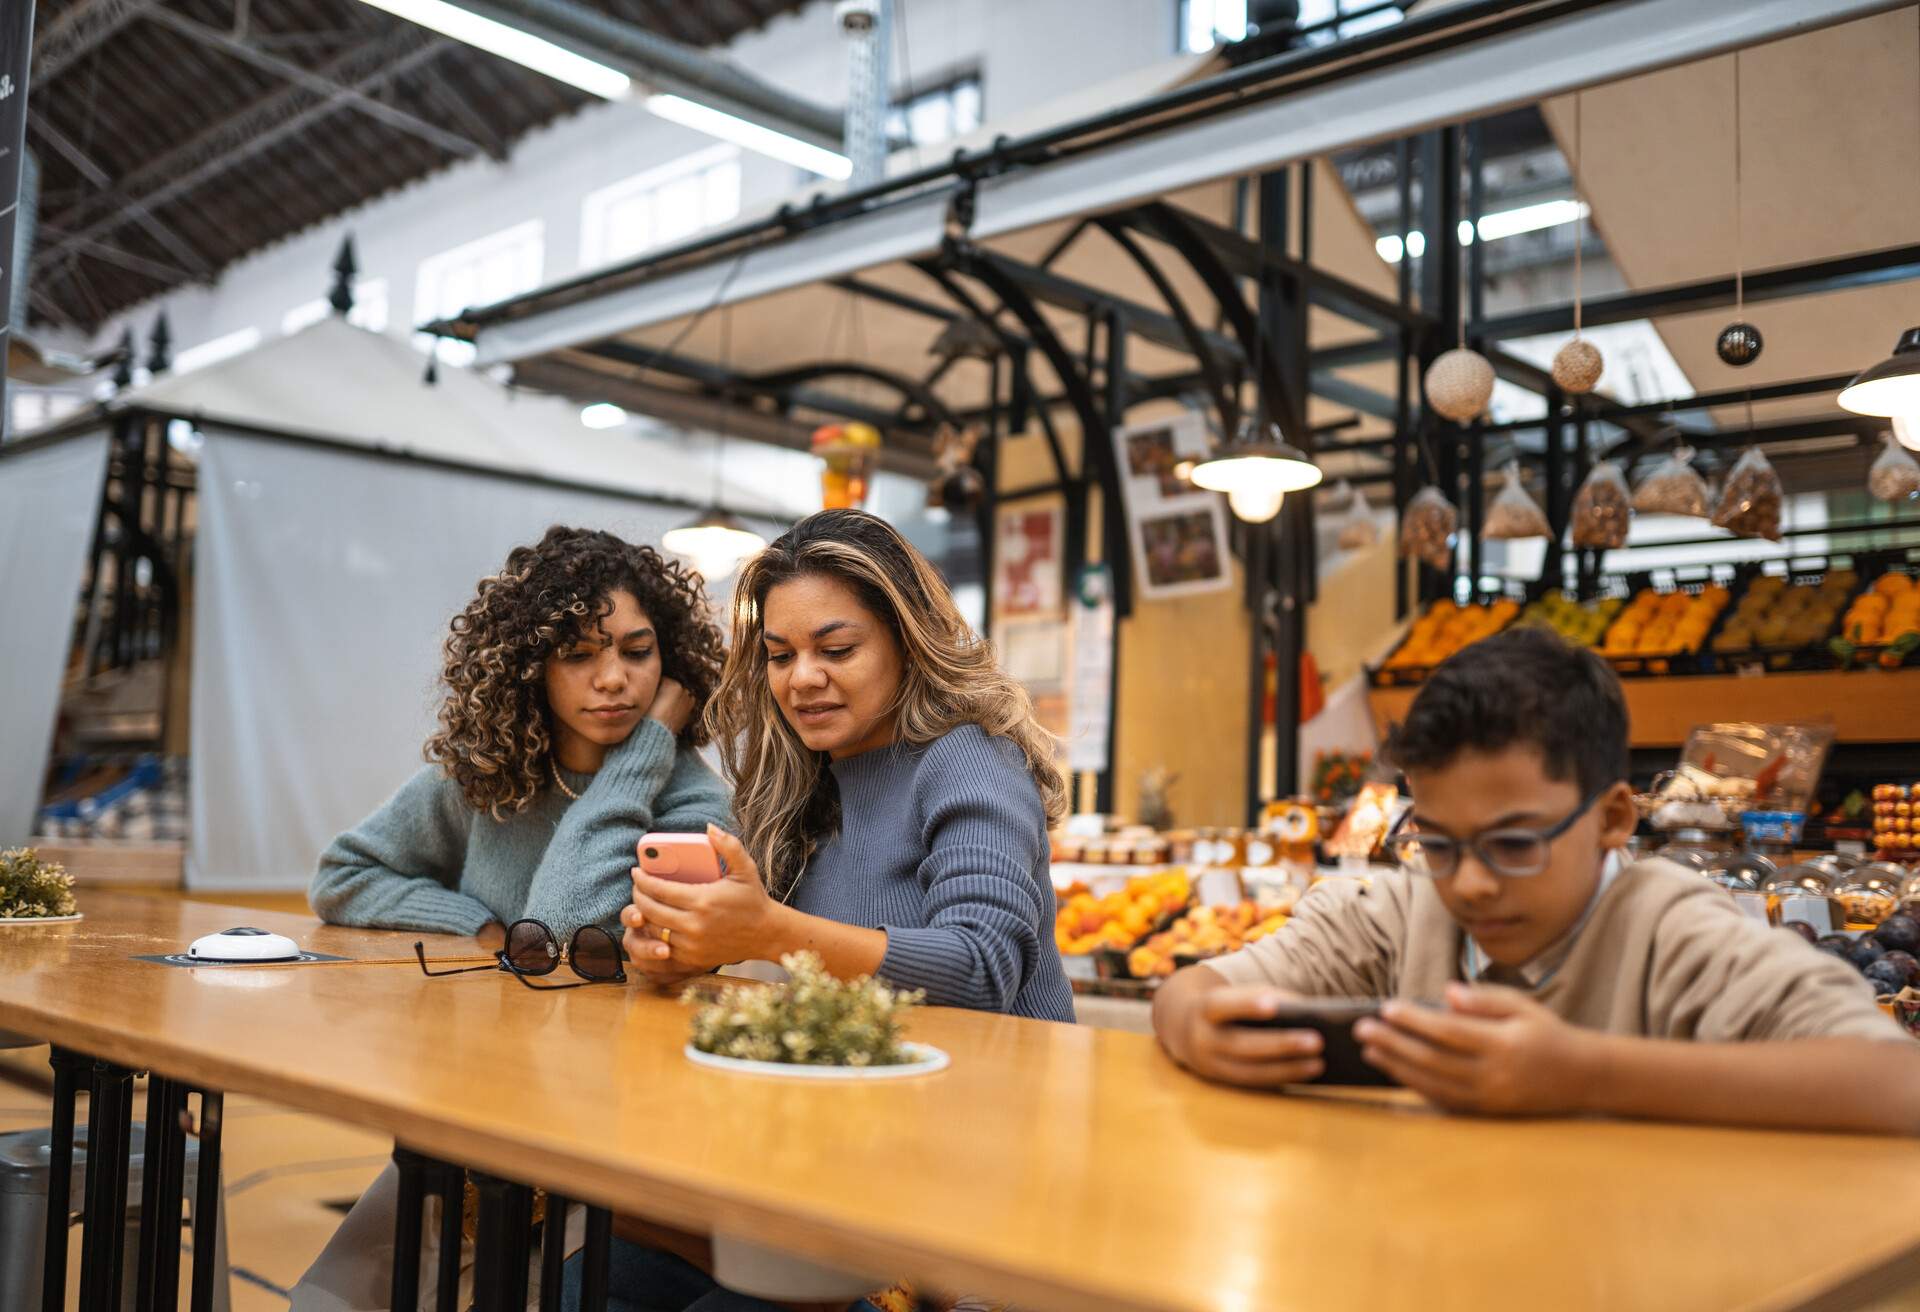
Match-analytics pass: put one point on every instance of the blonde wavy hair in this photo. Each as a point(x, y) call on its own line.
point(784, 798)
point(496, 730)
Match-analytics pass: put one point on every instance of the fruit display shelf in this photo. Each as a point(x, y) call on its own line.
point(1865, 706)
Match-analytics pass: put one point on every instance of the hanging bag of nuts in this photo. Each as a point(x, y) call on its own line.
point(1601, 512)
point(1750, 502)
point(1895, 475)
point(1360, 529)
point(1513, 513)
point(1426, 526)
point(1673, 488)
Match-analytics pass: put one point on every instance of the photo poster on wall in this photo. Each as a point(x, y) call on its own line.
point(1030, 626)
point(1178, 531)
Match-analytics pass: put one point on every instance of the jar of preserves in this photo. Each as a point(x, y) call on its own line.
point(1870, 894)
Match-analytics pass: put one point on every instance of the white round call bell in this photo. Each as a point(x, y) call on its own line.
point(244, 944)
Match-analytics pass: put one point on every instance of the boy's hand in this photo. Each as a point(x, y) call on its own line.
point(1494, 1050)
point(1205, 1039)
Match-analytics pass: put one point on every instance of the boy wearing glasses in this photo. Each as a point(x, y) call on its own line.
point(1566, 983)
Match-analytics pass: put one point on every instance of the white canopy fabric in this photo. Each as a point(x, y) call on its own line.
point(323, 597)
point(327, 567)
point(353, 388)
point(48, 501)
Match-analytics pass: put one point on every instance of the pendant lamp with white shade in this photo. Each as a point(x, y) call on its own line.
point(1256, 470)
point(1891, 387)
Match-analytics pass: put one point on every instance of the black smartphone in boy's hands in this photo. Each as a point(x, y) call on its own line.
point(1332, 1019)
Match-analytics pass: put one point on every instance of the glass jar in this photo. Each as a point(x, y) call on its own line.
point(1695, 849)
point(1910, 894)
point(1742, 872)
point(1870, 894)
point(1803, 893)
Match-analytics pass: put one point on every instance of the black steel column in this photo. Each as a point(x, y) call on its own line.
point(1589, 561)
point(1117, 546)
point(503, 1244)
point(109, 1115)
point(1476, 436)
point(1439, 277)
point(1405, 457)
point(206, 1204)
point(66, 1086)
point(1553, 564)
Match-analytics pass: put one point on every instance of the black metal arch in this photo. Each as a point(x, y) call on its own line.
point(1095, 430)
point(1167, 223)
point(1223, 393)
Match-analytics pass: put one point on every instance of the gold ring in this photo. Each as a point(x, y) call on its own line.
point(665, 934)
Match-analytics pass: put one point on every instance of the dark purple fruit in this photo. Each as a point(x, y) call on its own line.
point(1885, 977)
point(1803, 929)
point(1865, 952)
point(1899, 933)
point(1906, 961)
point(1838, 944)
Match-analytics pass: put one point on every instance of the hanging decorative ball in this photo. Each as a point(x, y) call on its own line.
point(1577, 366)
point(1739, 344)
point(1459, 384)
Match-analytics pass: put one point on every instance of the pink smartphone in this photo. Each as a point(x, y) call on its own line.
point(688, 858)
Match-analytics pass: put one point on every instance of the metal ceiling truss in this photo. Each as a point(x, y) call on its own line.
point(81, 28)
point(236, 139)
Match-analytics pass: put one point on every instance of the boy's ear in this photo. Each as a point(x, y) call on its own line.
point(1618, 816)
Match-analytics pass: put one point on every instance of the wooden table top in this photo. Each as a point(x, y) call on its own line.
point(1055, 1165)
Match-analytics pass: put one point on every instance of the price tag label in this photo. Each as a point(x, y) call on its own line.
point(1808, 909)
point(1754, 905)
point(1220, 888)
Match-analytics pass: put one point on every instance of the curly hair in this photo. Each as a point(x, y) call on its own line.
point(496, 730)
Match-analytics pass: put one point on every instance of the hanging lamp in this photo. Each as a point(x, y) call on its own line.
point(1892, 387)
point(1256, 470)
point(715, 540)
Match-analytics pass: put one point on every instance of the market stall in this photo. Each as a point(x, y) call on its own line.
point(1106, 305)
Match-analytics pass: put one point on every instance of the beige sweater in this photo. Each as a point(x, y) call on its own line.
point(1664, 954)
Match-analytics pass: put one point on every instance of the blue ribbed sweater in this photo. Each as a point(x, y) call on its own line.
point(428, 861)
point(945, 847)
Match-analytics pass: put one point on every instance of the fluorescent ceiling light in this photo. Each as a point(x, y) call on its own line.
point(602, 414)
point(511, 43)
point(754, 136)
point(1493, 227)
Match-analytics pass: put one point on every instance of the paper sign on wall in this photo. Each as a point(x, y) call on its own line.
point(1178, 532)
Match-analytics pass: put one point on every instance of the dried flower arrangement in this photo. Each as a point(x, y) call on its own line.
point(813, 1019)
point(32, 889)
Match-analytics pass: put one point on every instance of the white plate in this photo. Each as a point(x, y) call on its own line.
point(41, 920)
point(928, 1059)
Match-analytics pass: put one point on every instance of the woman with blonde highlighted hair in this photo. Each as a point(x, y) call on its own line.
point(892, 787)
point(893, 792)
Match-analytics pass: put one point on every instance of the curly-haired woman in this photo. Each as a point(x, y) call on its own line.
point(575, 681)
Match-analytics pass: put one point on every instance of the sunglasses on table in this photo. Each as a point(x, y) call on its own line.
point(533, 949)
point(1513, 852)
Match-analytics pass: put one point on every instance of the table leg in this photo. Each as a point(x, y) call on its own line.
point(164, 1122)
point(109, 1110)
point(206, 1204)
point(503, 1248)
point(406, 1230)
point(594, 1258)
point(453, 1202)
point(553, 1253)
point(53, 1272)
point(151, 1231)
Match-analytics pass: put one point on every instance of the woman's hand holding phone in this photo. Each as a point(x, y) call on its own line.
point(705, 925)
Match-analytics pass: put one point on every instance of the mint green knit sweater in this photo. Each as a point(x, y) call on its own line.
point(427, 861)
